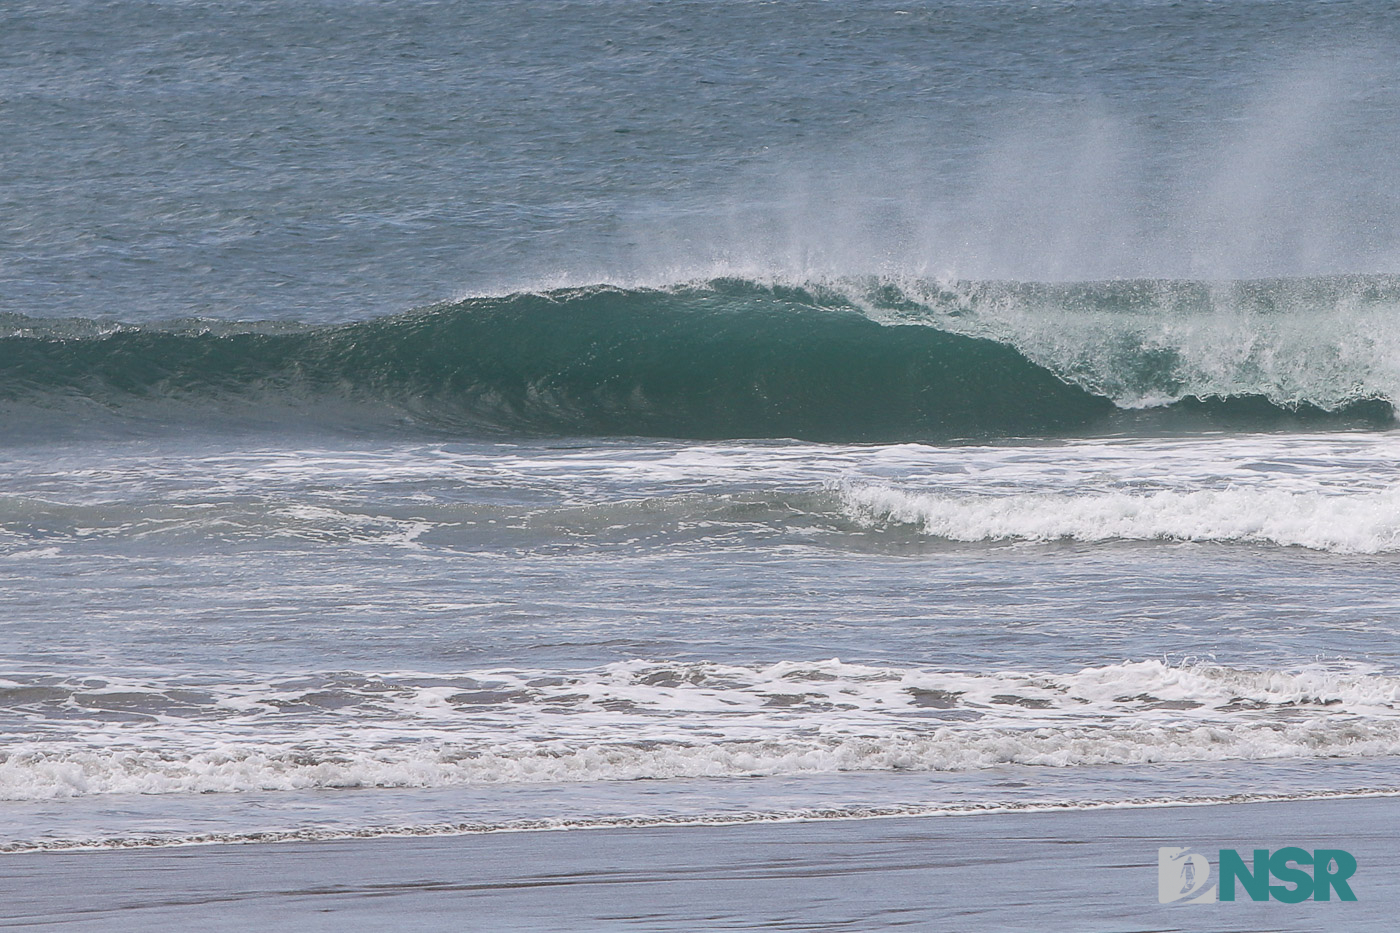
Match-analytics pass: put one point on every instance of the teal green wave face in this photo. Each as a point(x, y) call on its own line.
point(723, 359)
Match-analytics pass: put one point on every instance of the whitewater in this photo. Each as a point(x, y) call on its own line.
point(564, 612)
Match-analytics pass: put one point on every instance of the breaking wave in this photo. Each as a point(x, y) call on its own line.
point(854, 360)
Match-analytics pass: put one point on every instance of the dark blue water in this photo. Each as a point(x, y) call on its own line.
point(314, 161)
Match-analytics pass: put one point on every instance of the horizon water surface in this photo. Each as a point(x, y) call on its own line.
point(423, 417)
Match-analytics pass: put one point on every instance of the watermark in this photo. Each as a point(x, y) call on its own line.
point(1290, 875)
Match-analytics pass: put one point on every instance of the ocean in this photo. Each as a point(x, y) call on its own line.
point(425, 418)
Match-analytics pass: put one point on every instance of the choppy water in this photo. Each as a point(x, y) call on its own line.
point(424, 417)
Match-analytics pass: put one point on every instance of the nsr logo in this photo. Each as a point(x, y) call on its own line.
point(1183, 875)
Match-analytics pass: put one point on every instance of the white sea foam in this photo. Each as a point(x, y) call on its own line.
point(679, 721)
point(1332, 492)
point(1367, 523)
point(29, 775)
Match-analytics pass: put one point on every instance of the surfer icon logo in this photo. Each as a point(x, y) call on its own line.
point(1182, 876)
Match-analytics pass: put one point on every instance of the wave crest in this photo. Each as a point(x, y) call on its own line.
point(843, 361)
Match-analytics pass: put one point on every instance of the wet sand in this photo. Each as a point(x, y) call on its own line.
point(1056, 871)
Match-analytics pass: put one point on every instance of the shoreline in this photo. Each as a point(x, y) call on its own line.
point(1035, 871)
point(605, 823)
